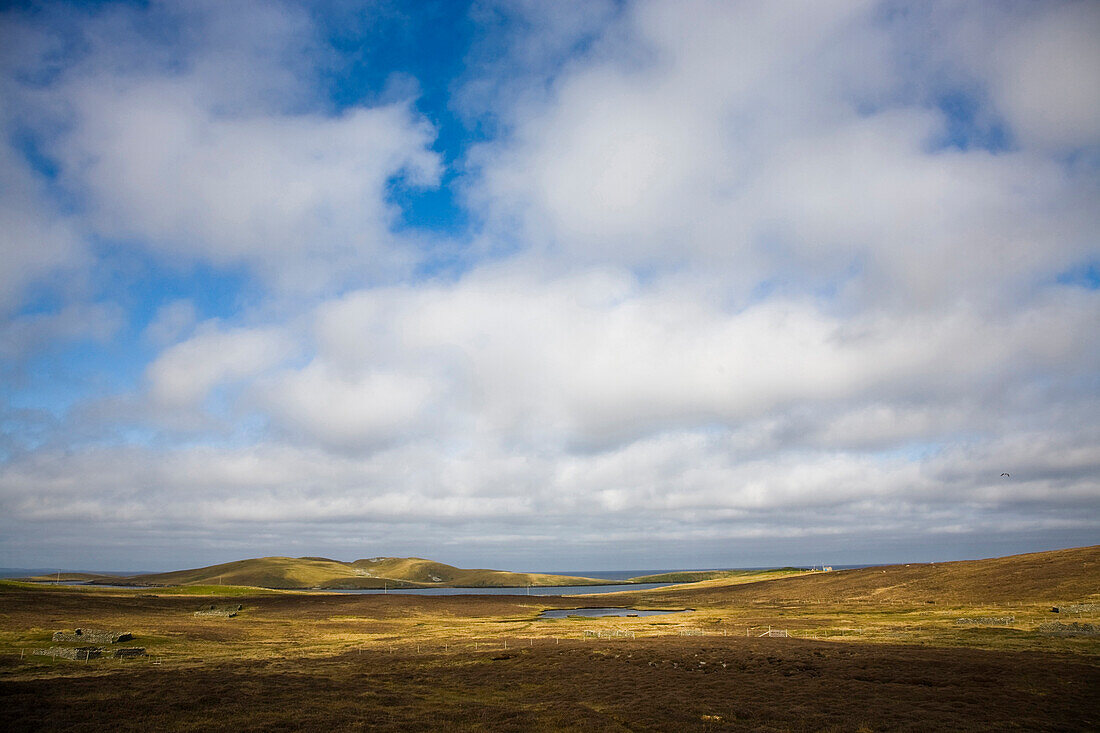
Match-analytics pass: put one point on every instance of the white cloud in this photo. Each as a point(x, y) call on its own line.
point(764, 283)
point(183, 375)
point(780, 149)
point(28, 334)
point(299, 198)
point(1045, 78)
point(352, 410)
point(172, 321)
point(37, 240)
point(597, 357)
point(210, 144)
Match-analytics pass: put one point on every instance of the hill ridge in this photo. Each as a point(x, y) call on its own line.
point(313, 572)
point(1052, 576)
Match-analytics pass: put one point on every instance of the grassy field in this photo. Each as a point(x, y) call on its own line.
point(866, 650)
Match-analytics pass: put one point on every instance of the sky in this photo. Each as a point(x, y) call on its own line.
point(597, 284)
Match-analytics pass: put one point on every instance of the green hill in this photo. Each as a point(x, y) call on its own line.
point(1052, 577)
point(320, 572)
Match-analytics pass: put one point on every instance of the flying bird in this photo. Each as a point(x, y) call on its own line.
point(1004, 474)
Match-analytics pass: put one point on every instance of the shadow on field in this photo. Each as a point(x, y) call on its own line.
point(653, 684)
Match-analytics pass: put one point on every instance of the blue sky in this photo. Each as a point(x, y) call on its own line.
point(548, 285)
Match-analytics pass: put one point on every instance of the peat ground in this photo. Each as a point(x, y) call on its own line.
point(669, 684)
point(952, 647)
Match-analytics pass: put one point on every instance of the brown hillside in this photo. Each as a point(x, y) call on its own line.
point(1052, 577)
point(319, 572)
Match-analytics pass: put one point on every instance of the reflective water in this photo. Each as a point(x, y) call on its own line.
point(557, 590)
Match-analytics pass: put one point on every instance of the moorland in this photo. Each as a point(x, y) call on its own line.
point(968, 646)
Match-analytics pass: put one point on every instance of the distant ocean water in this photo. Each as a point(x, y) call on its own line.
point(613, 574)
point(30, 572)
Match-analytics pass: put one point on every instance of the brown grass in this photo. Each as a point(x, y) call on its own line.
point(656, 684)
point(869, 652)
point(320, 572)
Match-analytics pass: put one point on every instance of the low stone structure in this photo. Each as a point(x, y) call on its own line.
point(1057, 628)
point(79, 653)
point(220, 611)
point(84, 653)
point(608, 634)
point(93, 636)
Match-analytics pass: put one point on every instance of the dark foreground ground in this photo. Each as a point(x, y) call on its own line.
point(668, 684)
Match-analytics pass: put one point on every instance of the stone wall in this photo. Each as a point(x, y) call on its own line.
point(219, 611)
point(80, 653)
point(93, 636)
point(1057, 628)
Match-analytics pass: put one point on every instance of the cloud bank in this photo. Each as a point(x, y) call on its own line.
point(717, 284)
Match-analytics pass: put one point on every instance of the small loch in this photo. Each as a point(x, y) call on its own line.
point(602, 612)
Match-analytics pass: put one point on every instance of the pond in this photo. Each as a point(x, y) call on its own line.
point(604, 612)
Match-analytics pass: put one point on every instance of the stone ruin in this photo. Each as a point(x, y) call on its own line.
point(84, 653)
point(89, 637)
point(81, 653)
point(1057, 628)
point(608, 634)
point(220, 611)
point(93, 636)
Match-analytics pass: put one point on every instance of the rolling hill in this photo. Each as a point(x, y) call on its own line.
point(1057, 576)
point(324, 573)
